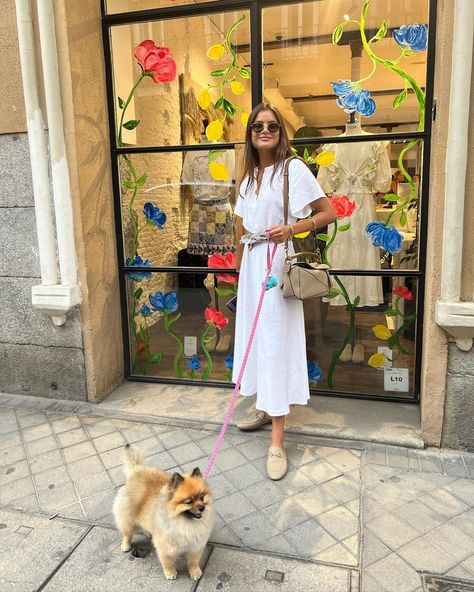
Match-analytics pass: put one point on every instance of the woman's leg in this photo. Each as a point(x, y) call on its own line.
point(278, 431)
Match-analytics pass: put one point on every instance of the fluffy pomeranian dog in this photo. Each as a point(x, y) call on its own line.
point(176, 510)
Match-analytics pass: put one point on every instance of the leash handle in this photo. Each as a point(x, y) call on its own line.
point(235, 394)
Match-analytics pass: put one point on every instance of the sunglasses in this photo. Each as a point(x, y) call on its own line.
point(258, 126)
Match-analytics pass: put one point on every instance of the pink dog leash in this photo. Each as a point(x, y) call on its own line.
point(235, 394)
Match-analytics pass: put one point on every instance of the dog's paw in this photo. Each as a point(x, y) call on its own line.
point(171, 575)
point(126, 548)
point(195, 574)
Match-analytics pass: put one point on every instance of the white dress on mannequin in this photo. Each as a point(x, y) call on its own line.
point(358, 171)
point(276, 368)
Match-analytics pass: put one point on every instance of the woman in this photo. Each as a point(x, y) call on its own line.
point(276, 369)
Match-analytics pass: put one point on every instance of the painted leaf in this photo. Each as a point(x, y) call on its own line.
point(400, 99)
point(132, 124)
point(218, 104)
point(324, 237)
point(128, 184)
point(344, 227)
point(224, 292)
point(391, 197)
point(244, 73)
point(403, 219)
point(302, 234)
point(356, 301)
point(382, 31)
point(141, 180)
point(121, 103)
point(138, 293)
point(217, 73)
point(156, 358)
point(391, 313)
point(333, 292)
point(229, 107)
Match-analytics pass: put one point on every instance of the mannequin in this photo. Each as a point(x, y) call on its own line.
point(359, 170)
point(211, 222)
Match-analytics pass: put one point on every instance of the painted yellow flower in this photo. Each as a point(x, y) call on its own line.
point(324, 159)
point(381, 332)
point(302, 234)
point(244, 118)
point(216, 51)
point(204, 99)
point(219, 171)
point(214, 131)
point(377, 360)
point(237, 88)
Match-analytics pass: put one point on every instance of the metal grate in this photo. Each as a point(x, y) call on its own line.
point(433, 583)
point(274, 576)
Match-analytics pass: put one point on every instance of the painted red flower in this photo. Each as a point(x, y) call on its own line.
point(215, 317)
point(403, 292)
point(227, 261)
point(343, 205)
point(156, 60)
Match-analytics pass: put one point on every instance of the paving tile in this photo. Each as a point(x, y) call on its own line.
point(36, 432)
point(294, 482)
point(100, 428)
point(200, 463)
point(234, 506)
point(229, 459)
point(392, 531)
point(277, 544)
point(27, 504)
point(109, 442)
point(452, 541)
point(137, 432)
point(245, 476)
point(315, 501)
point(72, 437)
point(78, 451)
point(207, 443)
point(161, 460)
point(320, 471)
point(149, 446)
point(373, 549)
point(42, 445)
point(465, 522)
point(65, 423)
point(431, 465)
point(391, 496)
point(378, 457)
point(44, 461)
point(86, 466)
point(336, 554)
point(253, 449)
point(174, 438)
point(341, 488)
point(91, 484)
point(424, 556)
point(98, 506)
point(15, 490)
point(60, 495)
point(371, 585)
point(339, 522)
point(462, 489)
point(454, 467)
point(51, 477)
point(309, 538)
point(12, 454)
point(14, 471)
point(286, 514)
point(225, 536)
point(264, 493)
point(416, 483)
point(419, 516)
point(9, 440)
point(32, 419)
point(117, 476)
point(344, 460)
point(459, 572)
point(220, 485)
point(323, 451)
point(468, 564)
point(394, 574)
point(298, 454)
point(186, 452)
point(354, 507)
point(253, 529)
point(73, 511)
point(444, 503)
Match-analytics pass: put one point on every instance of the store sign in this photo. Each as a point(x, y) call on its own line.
point(396, 379)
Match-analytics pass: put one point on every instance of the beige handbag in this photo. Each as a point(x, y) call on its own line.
point(302, 280)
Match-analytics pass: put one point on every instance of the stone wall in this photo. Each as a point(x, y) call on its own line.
point(38, 358)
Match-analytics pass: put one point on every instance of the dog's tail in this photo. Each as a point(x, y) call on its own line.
point(133, 459)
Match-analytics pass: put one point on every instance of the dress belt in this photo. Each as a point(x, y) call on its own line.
point(212, 201)
point(252, 238)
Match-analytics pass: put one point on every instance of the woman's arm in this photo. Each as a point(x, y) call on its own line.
point(324, 215)
point(239, 232)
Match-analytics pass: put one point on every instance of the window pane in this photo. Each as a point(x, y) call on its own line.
point(184, 204)
point(198, 79)
point(300, 62)
point(114, 6)
point(364, 349)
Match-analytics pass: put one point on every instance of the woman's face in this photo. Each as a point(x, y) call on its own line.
point(265, 139)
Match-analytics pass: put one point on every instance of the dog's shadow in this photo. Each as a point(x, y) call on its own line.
point(141, 545)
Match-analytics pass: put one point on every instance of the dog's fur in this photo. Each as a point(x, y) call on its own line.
point(177, 511)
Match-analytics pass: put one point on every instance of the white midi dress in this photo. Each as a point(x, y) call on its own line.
point(277, 368)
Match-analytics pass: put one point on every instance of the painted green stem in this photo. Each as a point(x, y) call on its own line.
point(203, 341)
point(177, 361)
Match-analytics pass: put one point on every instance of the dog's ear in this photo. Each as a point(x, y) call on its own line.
point(176, 479)
point(196, 472)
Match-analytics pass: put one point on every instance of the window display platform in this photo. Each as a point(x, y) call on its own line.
point(396, 424)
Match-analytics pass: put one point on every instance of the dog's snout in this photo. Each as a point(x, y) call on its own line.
point(201, 508)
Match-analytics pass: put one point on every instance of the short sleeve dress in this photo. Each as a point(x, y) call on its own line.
point(276, 369)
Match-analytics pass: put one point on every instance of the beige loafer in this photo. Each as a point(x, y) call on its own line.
point(254, 421)
point(277, 464)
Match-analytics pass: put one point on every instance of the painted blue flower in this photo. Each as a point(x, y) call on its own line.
point(384, 236)
point(162, 302)
point(154, 215)
point(145, 310)
point(414, 37)
point(229, 361)
point(194, 362)
point(137, 261)
point(315, 373)
point(271, 283)
point(351, 98)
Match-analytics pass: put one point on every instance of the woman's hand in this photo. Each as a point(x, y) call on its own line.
point(279, 234)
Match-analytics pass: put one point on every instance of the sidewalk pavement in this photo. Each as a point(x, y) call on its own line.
point(348, 517)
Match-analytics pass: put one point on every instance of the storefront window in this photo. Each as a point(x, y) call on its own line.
point(352, 81)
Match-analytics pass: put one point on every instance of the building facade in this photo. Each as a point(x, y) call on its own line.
point(120, 169)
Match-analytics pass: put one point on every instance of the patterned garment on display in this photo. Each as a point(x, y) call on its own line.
point(211, 222)
point(359, 178)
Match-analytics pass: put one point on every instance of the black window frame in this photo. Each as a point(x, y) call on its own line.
point(255, 7)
